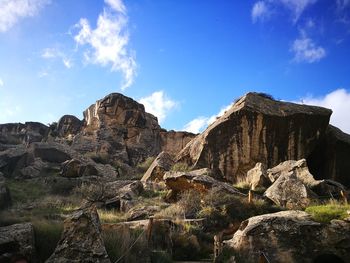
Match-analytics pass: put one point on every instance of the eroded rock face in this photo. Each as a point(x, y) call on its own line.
point(174, 141)
point(291, 237)
point(159, 166)
point(19, 133)
point(81, 240)
point(330, 160)
point(5, 197)
point(68, 125)
point(75, 168)
point(257, 129)
point(200, 180)
point(290, 192)
point(17, 239)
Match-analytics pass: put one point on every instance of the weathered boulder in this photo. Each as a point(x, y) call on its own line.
point(292, 236)
point(257, 177)
point(75, 168)
point(200, 180)
point(330, 159)
point(19, 133)
point(257, 129)
point(143, 212)
point(17, 241)
point(159, 166)
point(290, 192)
point(69, 125)
point(13, 160)
point(51, 152)
point(81, 240)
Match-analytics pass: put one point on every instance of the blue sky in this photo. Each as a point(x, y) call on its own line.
point(186, 60)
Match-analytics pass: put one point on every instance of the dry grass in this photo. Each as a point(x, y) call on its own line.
point(333, 209)
point(111, 216)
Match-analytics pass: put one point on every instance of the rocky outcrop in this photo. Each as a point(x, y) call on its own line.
point(200, 180)
point(174, 141)
point(330, 159)
point(159, 167)
point(17, 243)
point(69, 125)
point(257, 177)
point(19, 133)
point(257, 129)
point(292, 236)
point(75, 168)
point(5, 197)
point(81, 240)
point(290, 192)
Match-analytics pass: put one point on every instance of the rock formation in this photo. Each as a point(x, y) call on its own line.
point(17, 241)
point(17, 133)
point(69, 125)
point(258, 129)
point(159, 166)
point(257, 177)
point(81, 240)
point(292, 236)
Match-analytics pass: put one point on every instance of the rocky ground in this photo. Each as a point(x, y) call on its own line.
point(266, 182)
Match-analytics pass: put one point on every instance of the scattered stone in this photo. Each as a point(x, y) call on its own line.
point(257, 177)
point(143, 212)
point(75, 168)
point(17, 240)
point(81, 240)
point(159, 166)
point(291, 236)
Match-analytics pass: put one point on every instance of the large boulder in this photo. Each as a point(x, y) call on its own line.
point(13, 160)
point(330, 160)
point(257, 129)
point(291, 237)
point(174, 141)
point(200, 180)
point(257, 177)
point(51, 152)
point(159, 166)
point(75, 168)
point(19, 133)
point(17, 241)
point(81, 240)
point(68, 125)
point(290, 192)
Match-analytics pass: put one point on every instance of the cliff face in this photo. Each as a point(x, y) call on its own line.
point(17, 133)
point(257, 129)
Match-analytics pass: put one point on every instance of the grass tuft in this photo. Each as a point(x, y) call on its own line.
point(327, 212)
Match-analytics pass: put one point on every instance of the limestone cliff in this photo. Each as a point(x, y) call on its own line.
point(257, 129)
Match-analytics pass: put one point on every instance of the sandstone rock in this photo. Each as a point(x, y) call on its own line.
point(13, 160)
point(143, 212)
point(200, 180)
point(18, 133)
point(50, 152)
point(75, 168)
point(290, 192)
point(257, 129)
point(159, 166)
point(17, 240)
point(81, 240)
point(291, 236)
point(257, 177)
point(5, 197)
point(330, 159)
point(174, 141)
point(69, 125)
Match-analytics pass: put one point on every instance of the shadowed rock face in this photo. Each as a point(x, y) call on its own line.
point(331, 158)
point(257, 129)
point(68, 125)
point(17, 133)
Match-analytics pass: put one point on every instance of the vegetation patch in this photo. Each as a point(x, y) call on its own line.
point(23, 191)
point(327, 212)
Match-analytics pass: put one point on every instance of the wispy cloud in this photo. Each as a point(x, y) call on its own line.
point(11, 11)
point(200, 123)
point(297, 7)
point(260, 11)
point(158, 104)
point(53, 53)
point(337, 100)
point(342, 4)
point(108, 43)
point(305, 50)
point(1, 82)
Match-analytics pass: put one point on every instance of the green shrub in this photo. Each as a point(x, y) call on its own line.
point(327, 212)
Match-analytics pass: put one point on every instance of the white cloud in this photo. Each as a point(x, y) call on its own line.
point(52, 53)
point(339, 102)
point(259, 11)
point(200, 123)
point(305, 50)
point(342, 4)
point(158, 104)
point(1, 82)
point(108, 42)
point(297, 7)
point(11, 11)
